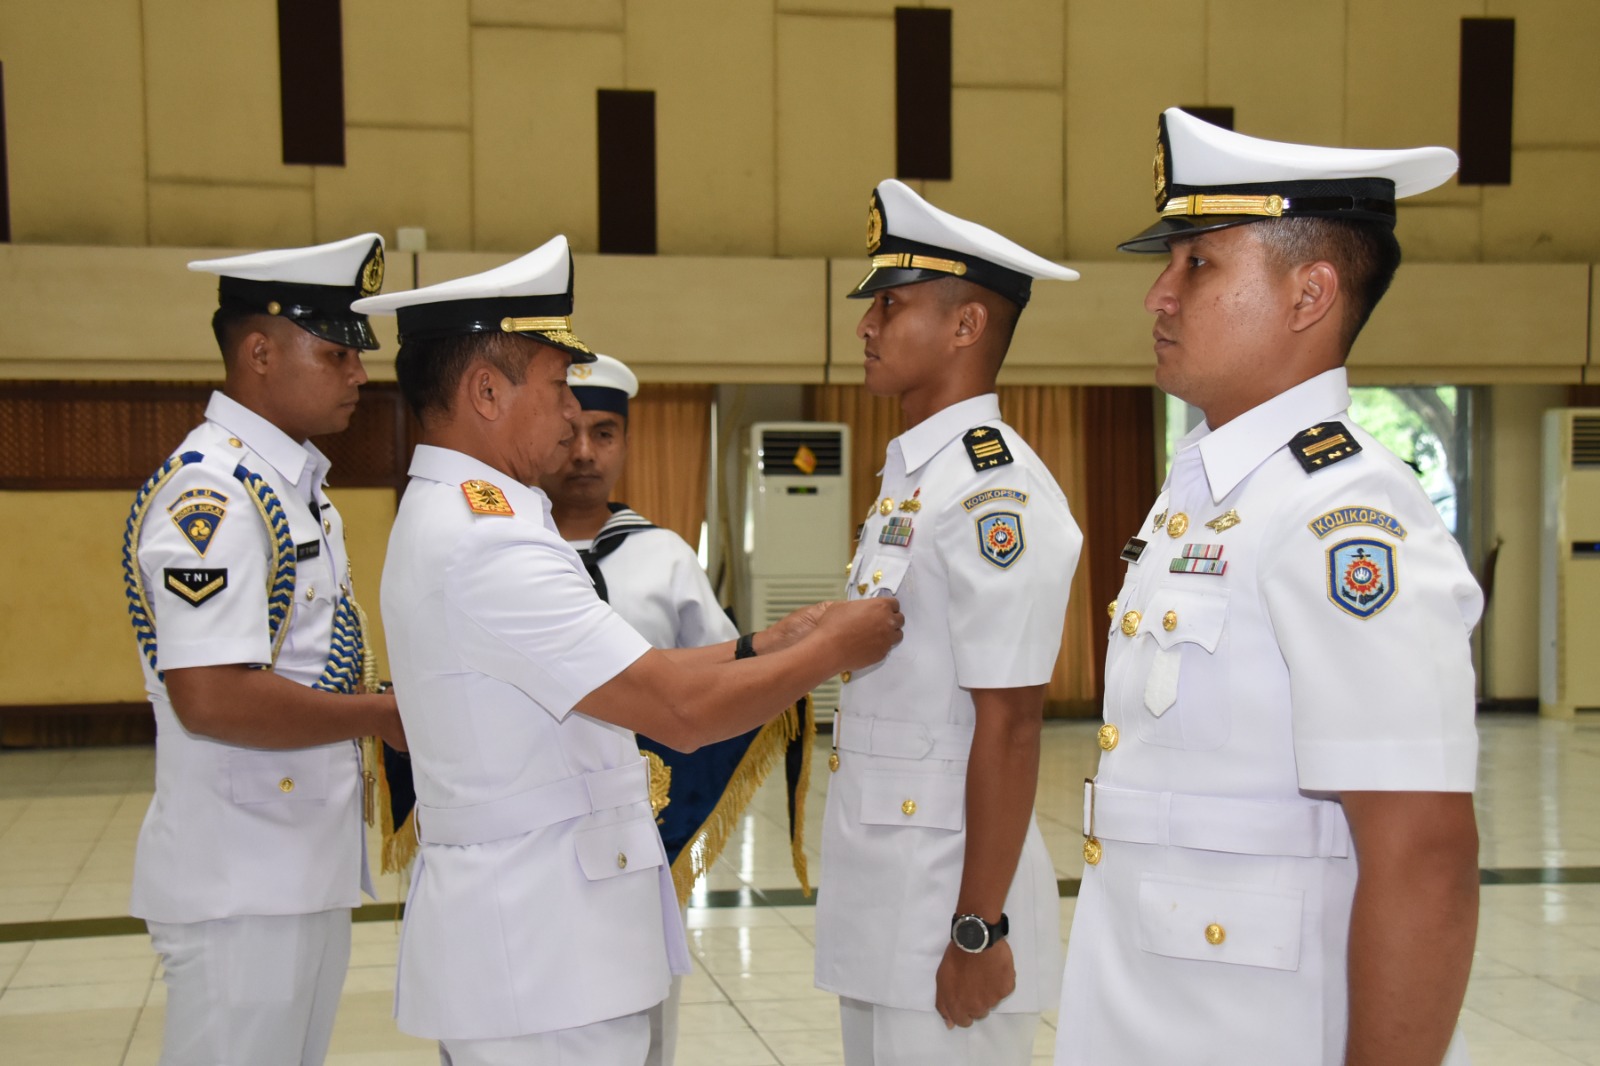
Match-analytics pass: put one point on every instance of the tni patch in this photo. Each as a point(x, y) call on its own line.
point(986, 448)
point(197, 514)
point(896, 531)
point(1000, 538)
point(1361, 576)
point(195, 587)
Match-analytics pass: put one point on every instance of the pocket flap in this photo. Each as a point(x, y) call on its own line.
point(883, 573)
point(278, 776)
point(609, 850)
point(1196, 616)
point(931, 800)
point(1215, 921)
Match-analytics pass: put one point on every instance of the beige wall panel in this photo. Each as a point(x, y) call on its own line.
point(835, 129)
point(534, 141)
point(1439, 233)
point(211, 93)
point(1493, 315)
point(230, 216)
point(1111, 114)
point(846, 7)
point(567, 14)
point(1534, 218)
point(1007, 165)
point(368, 514)
point(406, 62)
point(394, 178)
point(712, 76)
point(74, 86)
point(1281, 69)
point(78, 627)
point(1557, 76)
point(1020, 42)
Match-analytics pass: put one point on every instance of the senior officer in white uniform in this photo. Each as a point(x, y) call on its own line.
point(1280, 838)
point(251, 855)
point(541, 922)
point(649, 575)
point(938, 917)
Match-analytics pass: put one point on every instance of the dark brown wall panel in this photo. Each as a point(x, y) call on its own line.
point(626, 121)
point(311, 81)
point(1488, 62)
point(922, 67)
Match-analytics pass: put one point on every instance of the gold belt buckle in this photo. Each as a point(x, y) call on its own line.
point(1091, 845)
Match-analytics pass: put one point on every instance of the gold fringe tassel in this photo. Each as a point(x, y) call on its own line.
point(766, 750)
point(399, 844)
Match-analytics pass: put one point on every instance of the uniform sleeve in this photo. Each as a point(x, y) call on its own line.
point(700, 618)
point(1008, 604)
point(204, 562)
point(527, 615)
point(1374, 628)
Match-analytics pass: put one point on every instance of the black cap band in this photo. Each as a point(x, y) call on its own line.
point(915, 267)
point(601, 398)
point(321, 310)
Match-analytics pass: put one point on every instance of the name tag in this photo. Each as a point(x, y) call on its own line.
point(309, 550)
point(1132, 550)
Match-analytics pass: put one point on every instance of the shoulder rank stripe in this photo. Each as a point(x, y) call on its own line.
point(986, 448)
point(1340, 517)
point(994, 494)
point(485, 498)
point(1323, 445)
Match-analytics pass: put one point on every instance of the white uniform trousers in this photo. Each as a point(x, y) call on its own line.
point(252, 991)
point(884, 1036)
point(620, 1041)
point(664, 1027)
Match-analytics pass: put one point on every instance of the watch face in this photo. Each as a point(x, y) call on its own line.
point(970, 934)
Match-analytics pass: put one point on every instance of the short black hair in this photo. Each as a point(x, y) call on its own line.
point(228, 325)
point(429, 370)
point(1003, 311)
point(1366, 256)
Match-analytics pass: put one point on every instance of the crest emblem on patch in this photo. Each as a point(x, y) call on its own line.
point(1361, 576)
point(485, 498)
point(1000, 538)
point(197, 514)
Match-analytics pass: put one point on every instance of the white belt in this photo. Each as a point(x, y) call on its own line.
point(901, 740)
point(559, 801)
point(1305, 828)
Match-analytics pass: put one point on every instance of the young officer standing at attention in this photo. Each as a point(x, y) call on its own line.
point(938, 919)
point(1280, 844)
point(542, 922)
point(251, 855)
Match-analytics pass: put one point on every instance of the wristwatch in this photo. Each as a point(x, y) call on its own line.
point(972, 934)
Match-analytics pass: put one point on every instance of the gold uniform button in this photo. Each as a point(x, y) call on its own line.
point(1169, 621)
point(1130, 623)
point(1111, 609)
point(235, 442)
point(908, 808)
point(622, 860)
point(1108, 737)
point(1215, 934)
point(877, 577)
point(833, 763)
point(862, 588)
point(848, 567)
point(286, 785)
point(1091, 851)
point(311, 592)
point(327, 526)
point(344, 590)
point(845, 677)
point(273, 307)
point(1177, 525)
point(885, 506)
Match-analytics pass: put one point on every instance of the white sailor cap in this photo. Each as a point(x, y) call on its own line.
point(910, 240)
point(603, 385)
point(1209, 178)
point(311, 287)
point(531, 295)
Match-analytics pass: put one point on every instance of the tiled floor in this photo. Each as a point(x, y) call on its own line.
point(68, 822)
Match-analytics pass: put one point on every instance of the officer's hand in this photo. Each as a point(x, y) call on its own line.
point(968, 986)
point(390, 728)
point(791, 627)
point(866, 629)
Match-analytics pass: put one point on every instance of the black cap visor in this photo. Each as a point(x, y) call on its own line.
point(892, 278)
point(321, 310)
point(1157, 237)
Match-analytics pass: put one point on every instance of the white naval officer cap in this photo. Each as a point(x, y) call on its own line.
point(531, 296)
point(910, 240)
point(312, 287)
point(1209, 178)
point(603, 385)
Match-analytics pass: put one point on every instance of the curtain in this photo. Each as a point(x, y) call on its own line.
point(669, 449)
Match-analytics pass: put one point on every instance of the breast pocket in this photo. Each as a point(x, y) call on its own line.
point(924, 800)
point(1185, 693)
point(1211, 921)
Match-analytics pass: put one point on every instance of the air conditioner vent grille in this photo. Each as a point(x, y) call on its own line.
point(780, 446)
point(1586, 440)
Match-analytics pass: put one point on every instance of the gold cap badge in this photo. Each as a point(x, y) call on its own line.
point(372, 271)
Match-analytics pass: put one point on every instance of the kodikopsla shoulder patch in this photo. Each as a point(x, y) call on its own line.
point(197, 513)
point(195, 587)
point(1362, 579)
point(1323, 445)
point(485, 498)
point(1000, 538)
point(986, 448)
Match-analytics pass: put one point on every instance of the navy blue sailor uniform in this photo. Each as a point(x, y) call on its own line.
point(1294, 623)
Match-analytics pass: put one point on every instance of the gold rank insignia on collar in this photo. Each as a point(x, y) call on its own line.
point(1323, 445)
point(485, 498)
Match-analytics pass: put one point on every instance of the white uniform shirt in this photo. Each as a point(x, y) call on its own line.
point(1269, 665)
point(546, 916)
point(982, 579)
point(231, 830)
point(655, 582)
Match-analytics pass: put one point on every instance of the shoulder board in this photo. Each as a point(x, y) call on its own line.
point(485, 498)
point(1323, 445)
point(986, 447)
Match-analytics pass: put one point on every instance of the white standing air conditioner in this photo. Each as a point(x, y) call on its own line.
point(1569, 587)
point(796, 524)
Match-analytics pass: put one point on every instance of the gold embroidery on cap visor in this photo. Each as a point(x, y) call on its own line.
point(905, 260)
point(1212, 204)
point(558, 330)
